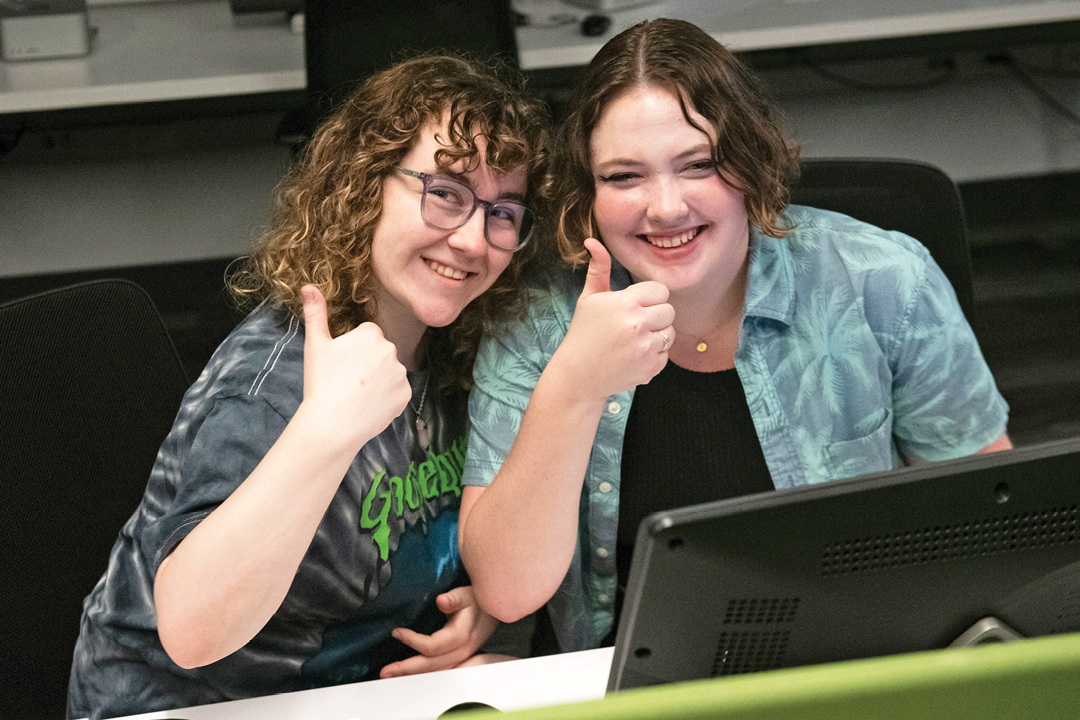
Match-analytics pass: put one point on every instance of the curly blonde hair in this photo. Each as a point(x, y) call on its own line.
point(753, 151)
point(329, 203)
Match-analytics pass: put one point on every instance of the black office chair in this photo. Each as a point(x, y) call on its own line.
point(913, 197)
point(89, 385)
point(345, 42)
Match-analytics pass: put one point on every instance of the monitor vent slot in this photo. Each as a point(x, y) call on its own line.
point(741, 651)
point(758, 611)
point(1007, 533)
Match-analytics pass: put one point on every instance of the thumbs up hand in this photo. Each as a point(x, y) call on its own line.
point(355, 382)
point(598, 278)
point(614, 342)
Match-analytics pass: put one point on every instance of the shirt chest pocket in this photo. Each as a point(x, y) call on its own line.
point(867, 454)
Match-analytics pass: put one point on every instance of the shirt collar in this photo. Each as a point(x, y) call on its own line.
point(770, 287)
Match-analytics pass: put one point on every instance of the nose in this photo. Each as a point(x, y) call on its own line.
point(666, 202)
point(469, 238)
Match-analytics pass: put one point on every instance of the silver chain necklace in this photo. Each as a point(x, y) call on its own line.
point(423, 434)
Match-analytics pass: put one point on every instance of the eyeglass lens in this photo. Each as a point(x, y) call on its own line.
point(448, 204)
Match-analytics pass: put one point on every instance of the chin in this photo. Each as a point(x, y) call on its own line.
point(437, 318)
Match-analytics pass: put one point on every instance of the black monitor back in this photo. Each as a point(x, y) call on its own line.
point(348, 40)
point(879, 565)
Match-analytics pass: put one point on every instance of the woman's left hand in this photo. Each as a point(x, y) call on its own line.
point(466, 630)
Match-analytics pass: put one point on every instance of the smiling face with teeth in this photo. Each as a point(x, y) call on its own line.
point(662, 207)
point(424, 276)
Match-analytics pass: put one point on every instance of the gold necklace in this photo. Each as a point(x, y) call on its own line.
point(700, 344)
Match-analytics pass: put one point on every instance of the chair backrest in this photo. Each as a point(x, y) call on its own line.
point(912, 197)
point(89, 385)
point(345, 42)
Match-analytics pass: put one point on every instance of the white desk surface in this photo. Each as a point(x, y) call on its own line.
point(515, 685)
point(744, 25)
point(194, 48)
point(159, 51)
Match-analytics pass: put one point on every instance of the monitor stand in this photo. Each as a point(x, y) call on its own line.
point(986, 631)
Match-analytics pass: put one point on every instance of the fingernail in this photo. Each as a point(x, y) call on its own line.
point(305, 293)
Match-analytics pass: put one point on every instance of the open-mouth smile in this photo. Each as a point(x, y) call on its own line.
point(673, 241)
point(447, 271)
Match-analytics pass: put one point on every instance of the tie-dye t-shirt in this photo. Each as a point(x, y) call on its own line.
point(386, 546)
point(854, 356)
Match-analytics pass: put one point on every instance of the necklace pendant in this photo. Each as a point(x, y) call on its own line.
point(702, 346)
point(423, 434)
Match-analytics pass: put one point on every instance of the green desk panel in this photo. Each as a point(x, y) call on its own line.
point(1036, 678)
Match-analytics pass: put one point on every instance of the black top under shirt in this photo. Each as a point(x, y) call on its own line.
point(689, 439)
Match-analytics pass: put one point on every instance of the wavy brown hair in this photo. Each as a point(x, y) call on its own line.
point(753, 152)
point(330, 201)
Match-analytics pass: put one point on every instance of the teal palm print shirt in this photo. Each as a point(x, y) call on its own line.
point(854, 355)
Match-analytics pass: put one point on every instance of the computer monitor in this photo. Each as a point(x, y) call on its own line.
point(979, 549)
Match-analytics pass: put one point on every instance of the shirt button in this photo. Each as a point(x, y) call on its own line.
point(605, 487)
point(602, 598)
point(602, 552)
point(614, 407)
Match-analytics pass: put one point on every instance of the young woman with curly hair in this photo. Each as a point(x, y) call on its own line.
point(721, 342)
point(299, 528)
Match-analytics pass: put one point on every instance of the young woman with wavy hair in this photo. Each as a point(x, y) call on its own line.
point(299, 528)
point(720, 343)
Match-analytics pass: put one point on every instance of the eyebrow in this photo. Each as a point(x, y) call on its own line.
point(628, 162)
point(460, 177)
point(515, 196)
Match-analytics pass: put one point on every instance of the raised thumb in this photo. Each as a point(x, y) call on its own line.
point(598, 278)
point(316, 325)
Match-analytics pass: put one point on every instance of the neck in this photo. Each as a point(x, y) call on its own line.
point(707, 325)
point(405, 340)
point(700, 312)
